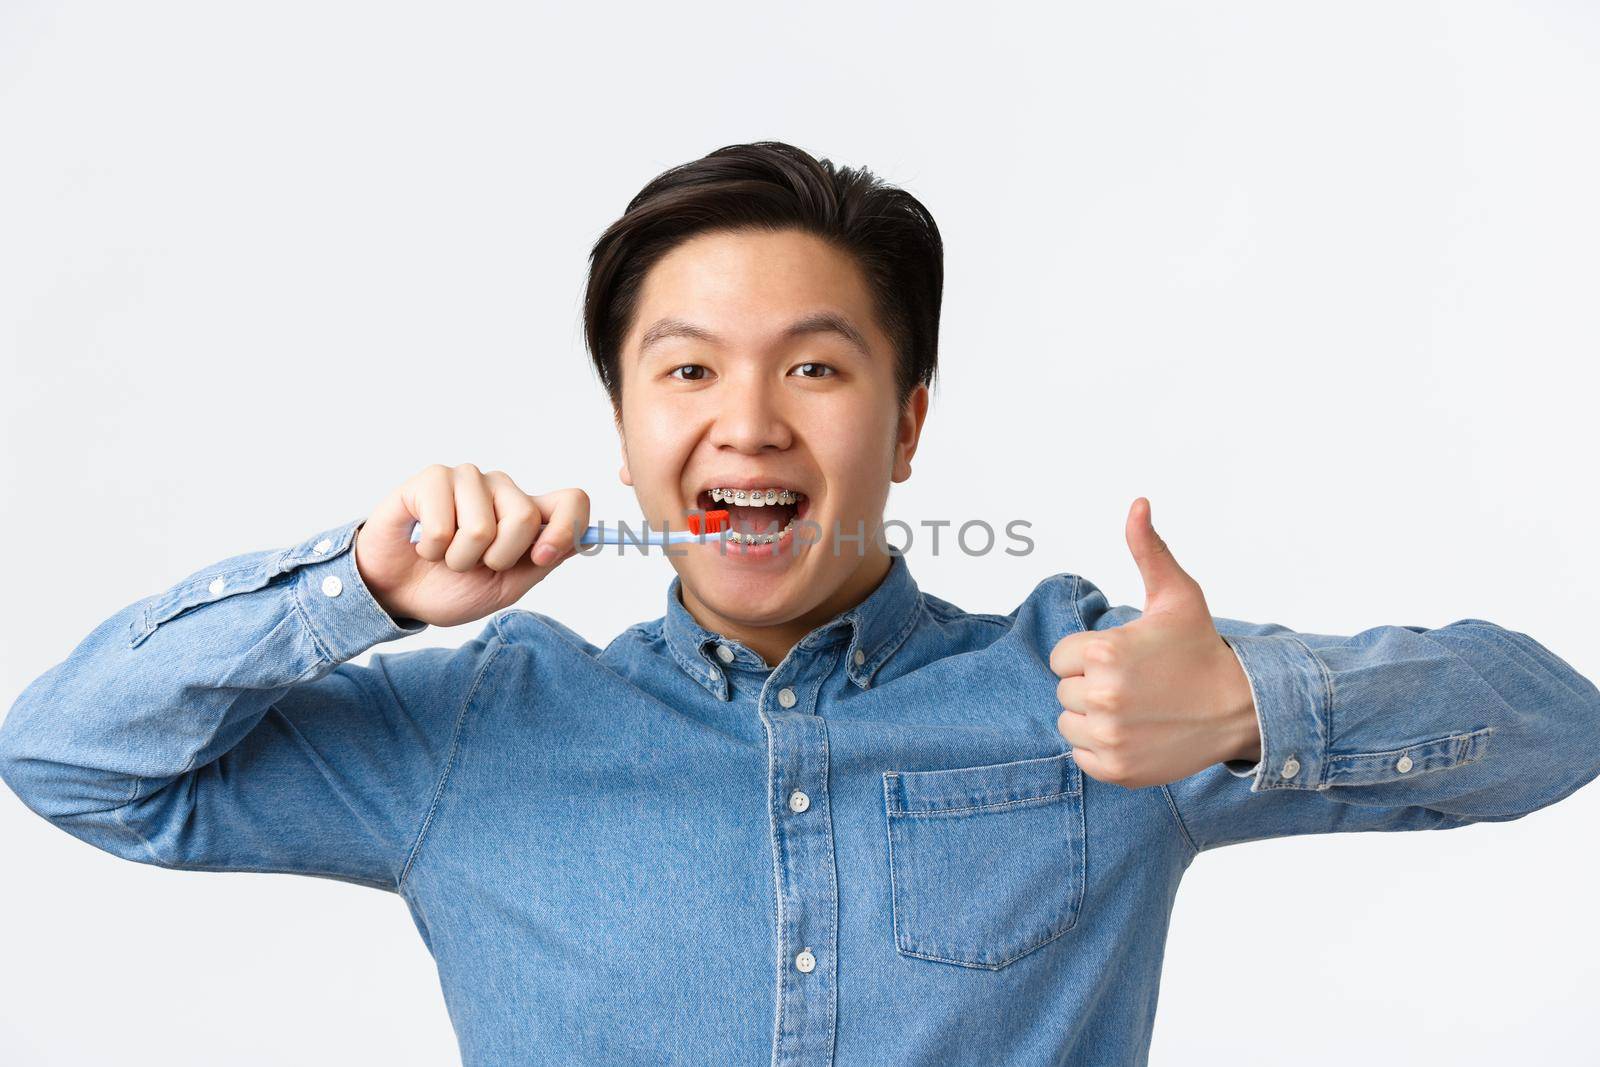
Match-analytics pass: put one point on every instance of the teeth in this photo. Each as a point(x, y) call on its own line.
point(758, 539)
point(755, 498)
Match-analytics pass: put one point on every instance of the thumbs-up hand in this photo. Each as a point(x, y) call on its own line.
point(1159, 698)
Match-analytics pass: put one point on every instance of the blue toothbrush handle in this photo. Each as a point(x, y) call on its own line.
point(595, 536)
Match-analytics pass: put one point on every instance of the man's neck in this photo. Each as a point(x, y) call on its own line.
point(772, 643)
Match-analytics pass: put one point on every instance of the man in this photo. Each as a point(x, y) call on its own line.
point(813, 813)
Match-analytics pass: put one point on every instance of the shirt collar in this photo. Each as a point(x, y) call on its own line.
point(876, 627)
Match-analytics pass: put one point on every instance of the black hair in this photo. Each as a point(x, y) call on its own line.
point(775, 186)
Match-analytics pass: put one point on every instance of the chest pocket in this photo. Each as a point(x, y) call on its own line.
point(986, 864)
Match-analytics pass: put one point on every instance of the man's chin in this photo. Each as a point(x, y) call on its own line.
point(759, 595)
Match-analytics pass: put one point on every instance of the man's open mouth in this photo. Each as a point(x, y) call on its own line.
point(756, 516)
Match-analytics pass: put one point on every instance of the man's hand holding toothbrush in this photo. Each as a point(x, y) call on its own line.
point(484, 543)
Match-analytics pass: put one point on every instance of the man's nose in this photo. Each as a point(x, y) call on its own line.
point(750, 417)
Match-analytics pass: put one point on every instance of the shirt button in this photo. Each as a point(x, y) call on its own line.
point(798, 802)
point(1403, 765)
point(1291, 767)
point(805, 962)
point(786, 697)
point(860, 657)
point(322, 545)
point(217, 586)
point(332, 586)
point(724, 653)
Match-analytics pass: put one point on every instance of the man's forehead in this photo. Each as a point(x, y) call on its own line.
point(724, 277)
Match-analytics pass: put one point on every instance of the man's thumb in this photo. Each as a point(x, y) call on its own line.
point(1166, 585)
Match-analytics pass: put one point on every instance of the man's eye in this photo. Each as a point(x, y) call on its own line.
point(686, 366)
point(816, 367)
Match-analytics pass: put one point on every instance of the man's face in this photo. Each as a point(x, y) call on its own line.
point(737, 399)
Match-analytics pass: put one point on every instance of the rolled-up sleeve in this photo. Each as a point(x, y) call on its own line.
point(1393, 728)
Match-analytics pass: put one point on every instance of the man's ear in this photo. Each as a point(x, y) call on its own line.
point(909, 431)
point(622, 439)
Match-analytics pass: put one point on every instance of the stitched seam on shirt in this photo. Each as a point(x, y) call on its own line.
point(703, 675)
point(305, 621)
point(642, 630)
point(957, 614)
point(450, 757)
point(556, 628)
point(1183, 828)
point(1455, 744)
point(144, 624)
point(880, 656)
point(889, 647)
point(119, 816)
point(999, 805)
point(833, 876)
point(777, 900)
point(894, 894)
point(196, 591)
point(1325, 718)
point(1257, 779)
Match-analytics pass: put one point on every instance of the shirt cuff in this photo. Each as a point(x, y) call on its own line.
point(345, 618)
point(1289, 687)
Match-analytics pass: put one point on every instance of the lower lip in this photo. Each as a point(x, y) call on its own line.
point(783, 545)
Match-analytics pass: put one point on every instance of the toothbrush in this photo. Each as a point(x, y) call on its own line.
point(713, 523)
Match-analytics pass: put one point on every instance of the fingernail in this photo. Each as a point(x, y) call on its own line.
point(543, 555)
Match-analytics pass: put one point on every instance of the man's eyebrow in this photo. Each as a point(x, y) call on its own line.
point(665, 328)
point(830, 322)
point(816, 322)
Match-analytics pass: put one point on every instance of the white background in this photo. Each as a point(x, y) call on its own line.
point(1318, 279)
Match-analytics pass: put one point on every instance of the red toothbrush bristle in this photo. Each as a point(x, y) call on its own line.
point(711, 522)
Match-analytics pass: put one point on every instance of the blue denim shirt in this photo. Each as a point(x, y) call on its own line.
point(878, 851)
